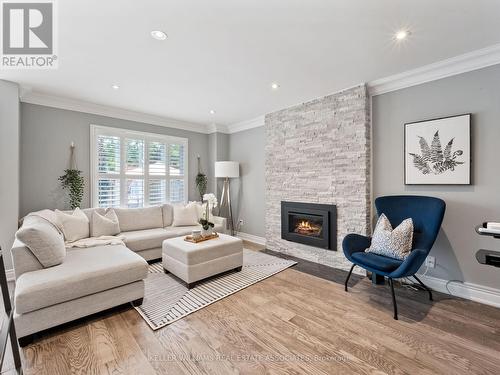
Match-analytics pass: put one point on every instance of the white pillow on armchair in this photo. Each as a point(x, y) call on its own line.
point(394, 243)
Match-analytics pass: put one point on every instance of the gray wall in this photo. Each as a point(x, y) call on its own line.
point(247, 147)
point(211, 157)
point(218, 150)
point(46, 134)
point(476, 92)
point(9, 165)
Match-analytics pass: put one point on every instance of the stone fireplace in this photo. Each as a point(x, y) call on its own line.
point(319, 152)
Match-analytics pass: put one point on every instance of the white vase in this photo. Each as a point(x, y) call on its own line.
point(206, 232)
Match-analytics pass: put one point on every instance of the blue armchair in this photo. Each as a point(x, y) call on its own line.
point(427, 214)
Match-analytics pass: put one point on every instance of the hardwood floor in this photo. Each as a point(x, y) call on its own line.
point(290, 323)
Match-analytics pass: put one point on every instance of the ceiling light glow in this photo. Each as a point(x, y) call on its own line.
point(158, 35)
point(212, 112)
point(402, 34)
point(275, 86)
point(115, 86)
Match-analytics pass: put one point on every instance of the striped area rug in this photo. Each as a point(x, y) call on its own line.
point(167, 299)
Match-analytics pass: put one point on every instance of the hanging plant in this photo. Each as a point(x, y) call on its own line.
point(201, 181)
point(72, 180)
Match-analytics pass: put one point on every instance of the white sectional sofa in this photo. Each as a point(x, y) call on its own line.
point(145, 229)
point(91, 279)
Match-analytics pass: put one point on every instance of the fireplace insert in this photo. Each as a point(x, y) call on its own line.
point(310, 224)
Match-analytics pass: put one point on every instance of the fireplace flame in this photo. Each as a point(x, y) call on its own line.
point(307, 228)
point(304, 224)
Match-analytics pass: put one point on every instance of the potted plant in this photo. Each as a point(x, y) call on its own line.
point(201, 181)
point(206, 225)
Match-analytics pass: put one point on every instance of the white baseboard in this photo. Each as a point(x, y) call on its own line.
point(252, 238)
point(470, 291)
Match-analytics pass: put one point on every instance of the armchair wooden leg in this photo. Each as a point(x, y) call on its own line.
point(394, 299)
point(348, 276)
point(424, 286)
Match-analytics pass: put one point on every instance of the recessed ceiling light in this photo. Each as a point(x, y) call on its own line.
point(275, 86)
point(212, 112)
point(402, 34)
point(115, 87)
point(158, 35)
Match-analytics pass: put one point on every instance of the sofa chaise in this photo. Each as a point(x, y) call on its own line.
point(90, 279)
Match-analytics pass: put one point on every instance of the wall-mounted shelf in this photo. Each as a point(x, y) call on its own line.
point(483, 231)
point(488, 257)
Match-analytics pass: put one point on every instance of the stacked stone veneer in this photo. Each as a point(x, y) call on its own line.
point(319, 152)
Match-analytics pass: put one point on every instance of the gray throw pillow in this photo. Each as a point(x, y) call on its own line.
point(44, 241)
point(394, 243)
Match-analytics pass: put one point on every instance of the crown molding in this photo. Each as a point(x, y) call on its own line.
point(28, 96)
point(467, 62)
point(245, 125)
point(24, 90)
point(260, 120)
point(217, 128)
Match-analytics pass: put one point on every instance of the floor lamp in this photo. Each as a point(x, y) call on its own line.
point(227, 170)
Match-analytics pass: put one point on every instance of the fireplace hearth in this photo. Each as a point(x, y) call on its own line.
point(310, 224)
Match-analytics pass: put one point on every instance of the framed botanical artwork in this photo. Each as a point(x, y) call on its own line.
point(437, 152)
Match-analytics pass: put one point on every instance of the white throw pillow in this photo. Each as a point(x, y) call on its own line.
point(75, 226)
point(394, 243)
point(43, 239)
point(185, 215)
point(104, 225)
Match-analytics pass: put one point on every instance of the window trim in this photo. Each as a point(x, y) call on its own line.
point(96, 130)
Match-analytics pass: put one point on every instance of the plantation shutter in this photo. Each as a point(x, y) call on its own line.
point(108, 169)
point(176, 171)
point(135, 169)
point(157, 185)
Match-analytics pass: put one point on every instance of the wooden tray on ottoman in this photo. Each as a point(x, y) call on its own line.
point(191, 239)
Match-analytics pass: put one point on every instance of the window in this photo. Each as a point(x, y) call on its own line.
point(135, 169)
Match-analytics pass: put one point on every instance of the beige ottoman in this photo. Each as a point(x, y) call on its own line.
point(192, 262)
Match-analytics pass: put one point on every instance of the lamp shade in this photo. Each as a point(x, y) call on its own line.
point(225, 169)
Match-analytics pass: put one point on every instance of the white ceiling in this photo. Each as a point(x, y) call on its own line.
point(224, 54)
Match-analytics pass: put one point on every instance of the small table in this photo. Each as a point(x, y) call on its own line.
point(488, 257)
point(193, 262)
